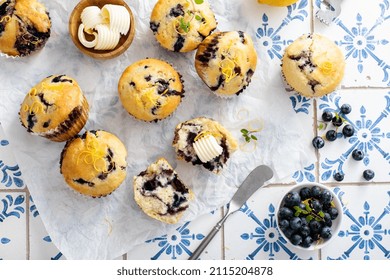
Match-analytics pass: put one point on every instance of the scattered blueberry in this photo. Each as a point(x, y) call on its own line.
point(348, 130)
point(292, 199)
point(338, 176)
point(318, 142)
point(331, 135)
point(326, 233)
point(357, 154)
point(296, 239)
point(327, 116)
point(346, 109)
point(337, 121)
point(368, 174)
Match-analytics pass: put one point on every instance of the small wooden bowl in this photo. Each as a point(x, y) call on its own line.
point(75, 20)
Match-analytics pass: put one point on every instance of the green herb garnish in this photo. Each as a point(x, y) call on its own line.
point(248, 135)
point(198, 18)
point(185, 26)
point(309, 212)
point(199, 2)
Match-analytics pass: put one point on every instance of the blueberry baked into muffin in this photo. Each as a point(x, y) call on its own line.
point(94, 164)
point(181, 25)
point(203, 141)
point(150, 89)
point(313, 65)
point(24, 27)
point(226, 62)
point(160, 193)
point(55, 108)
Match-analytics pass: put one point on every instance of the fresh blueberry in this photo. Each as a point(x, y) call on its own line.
point(316, 205)
point(292, 199)
point(331, 135)
point(318, 142)
point(283, 224)
point(285, 213)
point(338, 176)
point(295, 223)
point(346, 109)
point(305, 193)
point(305, 231)
point(316, 236)
point(316, 191)
point(333, 212)
point(326, 197)
point(337, 121)
point(304, 221)
point(288, 232)
point(357, 154)
point(327, 116)
point(306, 243)
point(296, 239)
point(327, 220)
point(368, 174)
point(315, 226)
point(326, 232)
point(348, 130)
point(302, 205)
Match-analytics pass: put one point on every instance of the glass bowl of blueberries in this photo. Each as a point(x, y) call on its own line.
point(309, 216)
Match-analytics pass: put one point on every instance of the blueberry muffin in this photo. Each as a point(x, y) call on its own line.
point(24, 27)
point(189, 134)
point(226, 62)
point(181, 25)
point(150, 89)
point(313, 65)
point(94, 164)
point(55, 108)
point(160, 193)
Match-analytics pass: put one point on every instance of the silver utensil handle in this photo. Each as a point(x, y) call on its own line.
point(195, 255)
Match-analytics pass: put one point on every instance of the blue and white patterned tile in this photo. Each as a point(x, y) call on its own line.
point(180, 243)
point(361, 32)
point(10, 174)
point(252, 234)
point(41, 246)
point(365, 230)
point(276, 28)
point(370, 119)
point(13, 226)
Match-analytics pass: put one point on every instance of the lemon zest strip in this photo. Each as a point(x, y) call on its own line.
point(326, 67)
point(205, 134)
point(93, 155)
point(6, 19)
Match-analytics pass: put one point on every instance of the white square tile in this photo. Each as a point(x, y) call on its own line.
point(365, 230)
point(369, 117)
point(252, 234)
point(360, 31)
point(13, 226)
point(180, 243)
point(41, 246)
point(10, 174)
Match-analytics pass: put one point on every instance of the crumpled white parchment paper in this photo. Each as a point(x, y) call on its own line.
point(86, 228)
